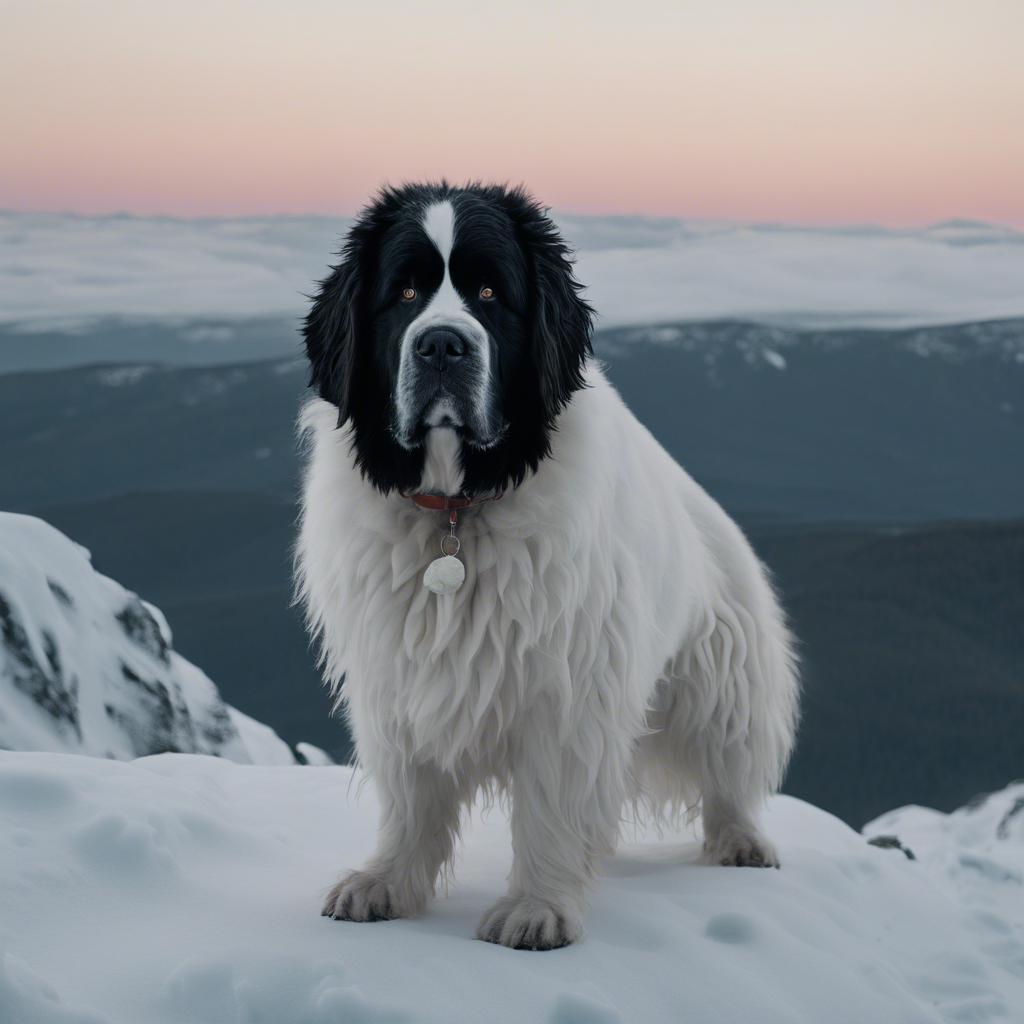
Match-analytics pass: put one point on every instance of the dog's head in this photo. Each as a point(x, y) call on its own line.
point(451, 308)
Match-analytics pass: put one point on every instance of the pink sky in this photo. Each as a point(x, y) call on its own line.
point(898, 112)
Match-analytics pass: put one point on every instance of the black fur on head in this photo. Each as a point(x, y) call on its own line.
point(524, 344)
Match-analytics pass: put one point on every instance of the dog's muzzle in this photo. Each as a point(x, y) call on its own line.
point(445, 381)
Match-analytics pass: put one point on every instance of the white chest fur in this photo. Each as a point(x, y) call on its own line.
point(453, 670)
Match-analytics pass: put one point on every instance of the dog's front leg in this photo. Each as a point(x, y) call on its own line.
point(564, 817)
point(419, 823)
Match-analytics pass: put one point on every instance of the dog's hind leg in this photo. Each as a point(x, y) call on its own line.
point(417, 830)
point(723, 725)
point(747, 737)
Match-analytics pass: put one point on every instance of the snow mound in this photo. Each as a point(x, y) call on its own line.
point(87, 667)
point(976, 854)
point(181, 888)
point(62, 270)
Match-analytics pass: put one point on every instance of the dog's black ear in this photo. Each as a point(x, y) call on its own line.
point(330, 330)
point(562, 321)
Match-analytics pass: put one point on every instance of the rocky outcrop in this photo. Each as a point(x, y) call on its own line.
point(88, 667)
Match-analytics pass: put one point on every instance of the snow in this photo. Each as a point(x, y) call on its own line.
point(263, 744)
point(312, 755)
point(65, 271)
point(121, 376)
point(87, 667)
point(182, 888)
point(977, 855)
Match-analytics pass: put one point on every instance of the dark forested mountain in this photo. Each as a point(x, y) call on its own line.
point(848, 425)
point(913, 661)
point(836, 425)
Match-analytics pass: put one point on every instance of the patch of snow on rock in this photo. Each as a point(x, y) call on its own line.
point(122, 375)
point(263, 744)
point(314, 756)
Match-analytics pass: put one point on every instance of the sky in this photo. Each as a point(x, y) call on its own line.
point(831, 112)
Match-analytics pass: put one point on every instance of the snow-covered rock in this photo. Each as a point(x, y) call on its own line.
point(180, 888)
point(262, 743)
point(312, 755)
point(87, 667)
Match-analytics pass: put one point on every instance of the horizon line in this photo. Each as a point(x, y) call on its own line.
point(950, 221)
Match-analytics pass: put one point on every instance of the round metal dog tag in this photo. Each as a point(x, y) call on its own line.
point(444, 575)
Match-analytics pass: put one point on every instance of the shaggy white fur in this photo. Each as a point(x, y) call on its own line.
point(615, 640)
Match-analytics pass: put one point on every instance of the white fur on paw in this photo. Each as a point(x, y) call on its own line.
point(524, 922)
point(361, 897)
point(734, 846)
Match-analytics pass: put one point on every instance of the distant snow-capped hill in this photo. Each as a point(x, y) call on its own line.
point(755, 343)
point(87, 667)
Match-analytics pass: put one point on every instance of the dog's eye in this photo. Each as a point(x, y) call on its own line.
point(408, 294)
point(486, 293)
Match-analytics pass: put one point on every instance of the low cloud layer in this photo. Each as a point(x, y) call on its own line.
point(64, 270)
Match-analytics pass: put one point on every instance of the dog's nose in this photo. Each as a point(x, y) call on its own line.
point(439, 347)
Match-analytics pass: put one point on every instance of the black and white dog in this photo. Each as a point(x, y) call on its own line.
point(608, 636)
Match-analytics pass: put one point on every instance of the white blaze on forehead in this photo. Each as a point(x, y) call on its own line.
point(439, 224)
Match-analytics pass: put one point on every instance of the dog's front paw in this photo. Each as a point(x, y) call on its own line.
point(734, 846)
point(361, 897)
point(524, 922)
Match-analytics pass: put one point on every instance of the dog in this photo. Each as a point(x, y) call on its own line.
point(614, 643)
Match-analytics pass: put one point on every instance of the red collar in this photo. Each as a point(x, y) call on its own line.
point(450, 504)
